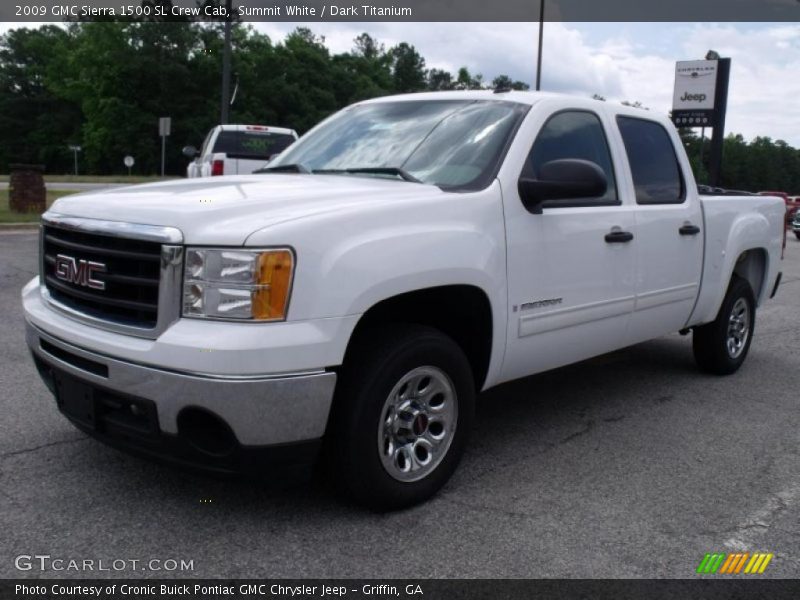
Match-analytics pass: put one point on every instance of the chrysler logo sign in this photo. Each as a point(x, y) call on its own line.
point(695, 85)
point(79, 272)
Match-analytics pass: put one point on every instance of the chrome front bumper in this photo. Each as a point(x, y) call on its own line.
point(260, 411)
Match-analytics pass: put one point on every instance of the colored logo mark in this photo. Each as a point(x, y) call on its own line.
point(734, 564)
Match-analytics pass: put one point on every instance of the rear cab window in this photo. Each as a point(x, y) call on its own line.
point(257, 145)
point(657, 176)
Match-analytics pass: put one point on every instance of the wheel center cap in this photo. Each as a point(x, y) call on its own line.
point(420, 424)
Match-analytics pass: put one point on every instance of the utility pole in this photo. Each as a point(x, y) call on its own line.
point(226, 66)
point(164, 129)
point(541, 40)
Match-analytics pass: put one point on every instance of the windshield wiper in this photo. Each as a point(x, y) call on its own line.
point(292, 168)
point(396, 171)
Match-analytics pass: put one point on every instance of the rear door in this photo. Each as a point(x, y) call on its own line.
point(669, 224)
point(570, 269)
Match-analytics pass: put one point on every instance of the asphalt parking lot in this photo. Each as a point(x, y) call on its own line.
point(629, 465)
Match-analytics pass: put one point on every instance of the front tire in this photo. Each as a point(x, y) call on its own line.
point(720, 347)
point(797, 234)
point(402, 415)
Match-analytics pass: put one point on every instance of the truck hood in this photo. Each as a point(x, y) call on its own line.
point(226, 210)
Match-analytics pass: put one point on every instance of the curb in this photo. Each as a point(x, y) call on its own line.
point(18, 227)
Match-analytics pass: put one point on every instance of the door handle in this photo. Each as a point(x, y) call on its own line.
point(619, 237)
point(689, 229)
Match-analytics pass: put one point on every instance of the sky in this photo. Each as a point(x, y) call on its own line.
point(620, 61)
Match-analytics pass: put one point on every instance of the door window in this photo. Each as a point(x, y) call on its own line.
point(574, 134)
point(656, 173)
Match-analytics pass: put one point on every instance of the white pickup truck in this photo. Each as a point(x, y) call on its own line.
point(407, 253)
point(237, 149)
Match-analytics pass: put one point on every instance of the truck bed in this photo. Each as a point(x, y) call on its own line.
point(733, 224)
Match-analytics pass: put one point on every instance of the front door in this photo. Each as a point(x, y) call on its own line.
point(570, 269)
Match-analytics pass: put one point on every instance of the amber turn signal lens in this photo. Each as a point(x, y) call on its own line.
point(274, 282)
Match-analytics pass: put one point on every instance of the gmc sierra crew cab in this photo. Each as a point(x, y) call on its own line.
point(347, 305)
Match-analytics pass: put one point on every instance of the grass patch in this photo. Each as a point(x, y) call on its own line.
point(6, 216)
point(98, 178)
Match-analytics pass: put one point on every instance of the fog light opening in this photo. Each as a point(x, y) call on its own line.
point(206, 432)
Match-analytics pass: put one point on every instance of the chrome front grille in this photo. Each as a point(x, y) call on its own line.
point(127, 286)
point(113, 275)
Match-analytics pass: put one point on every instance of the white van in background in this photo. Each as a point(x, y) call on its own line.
point(237, 149)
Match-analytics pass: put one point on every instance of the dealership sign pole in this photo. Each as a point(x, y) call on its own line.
point(700, 99)
point(718, 135)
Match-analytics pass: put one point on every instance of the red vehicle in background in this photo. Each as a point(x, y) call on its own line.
point(792, 204)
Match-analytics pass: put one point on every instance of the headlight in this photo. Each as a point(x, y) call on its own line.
point(237, 284)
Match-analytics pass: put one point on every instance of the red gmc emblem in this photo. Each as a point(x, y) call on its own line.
point(79, 272)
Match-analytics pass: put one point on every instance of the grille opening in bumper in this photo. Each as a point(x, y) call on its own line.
point(131, 275)
point(76, 361)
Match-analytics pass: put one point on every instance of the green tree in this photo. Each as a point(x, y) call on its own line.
point(303, 83)
point(408, 69)
point(439, 80)
point(363, 73)
point(35, 124)
point(127, 75)
point(465, 81)
point(505, 82)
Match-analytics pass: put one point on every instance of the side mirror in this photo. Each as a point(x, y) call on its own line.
point(190, 152)
point(565, 179)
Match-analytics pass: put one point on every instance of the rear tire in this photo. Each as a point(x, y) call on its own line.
point(797, 234)
point(402, 414)
point(721, 346)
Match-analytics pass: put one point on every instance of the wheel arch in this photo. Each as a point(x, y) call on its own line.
point(461, 311)
point(751, 265)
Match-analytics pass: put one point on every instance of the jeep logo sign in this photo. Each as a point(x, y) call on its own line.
point(695, 85)
point(687, 97)
point(79, 272)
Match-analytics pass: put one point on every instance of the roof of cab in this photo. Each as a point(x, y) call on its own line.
point(530, 99)
point(512, 95)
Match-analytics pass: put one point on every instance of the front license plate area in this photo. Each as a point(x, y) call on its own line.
point(76, 400)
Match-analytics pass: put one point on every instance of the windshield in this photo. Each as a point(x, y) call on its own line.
point(256, 145)
point(449, 143)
